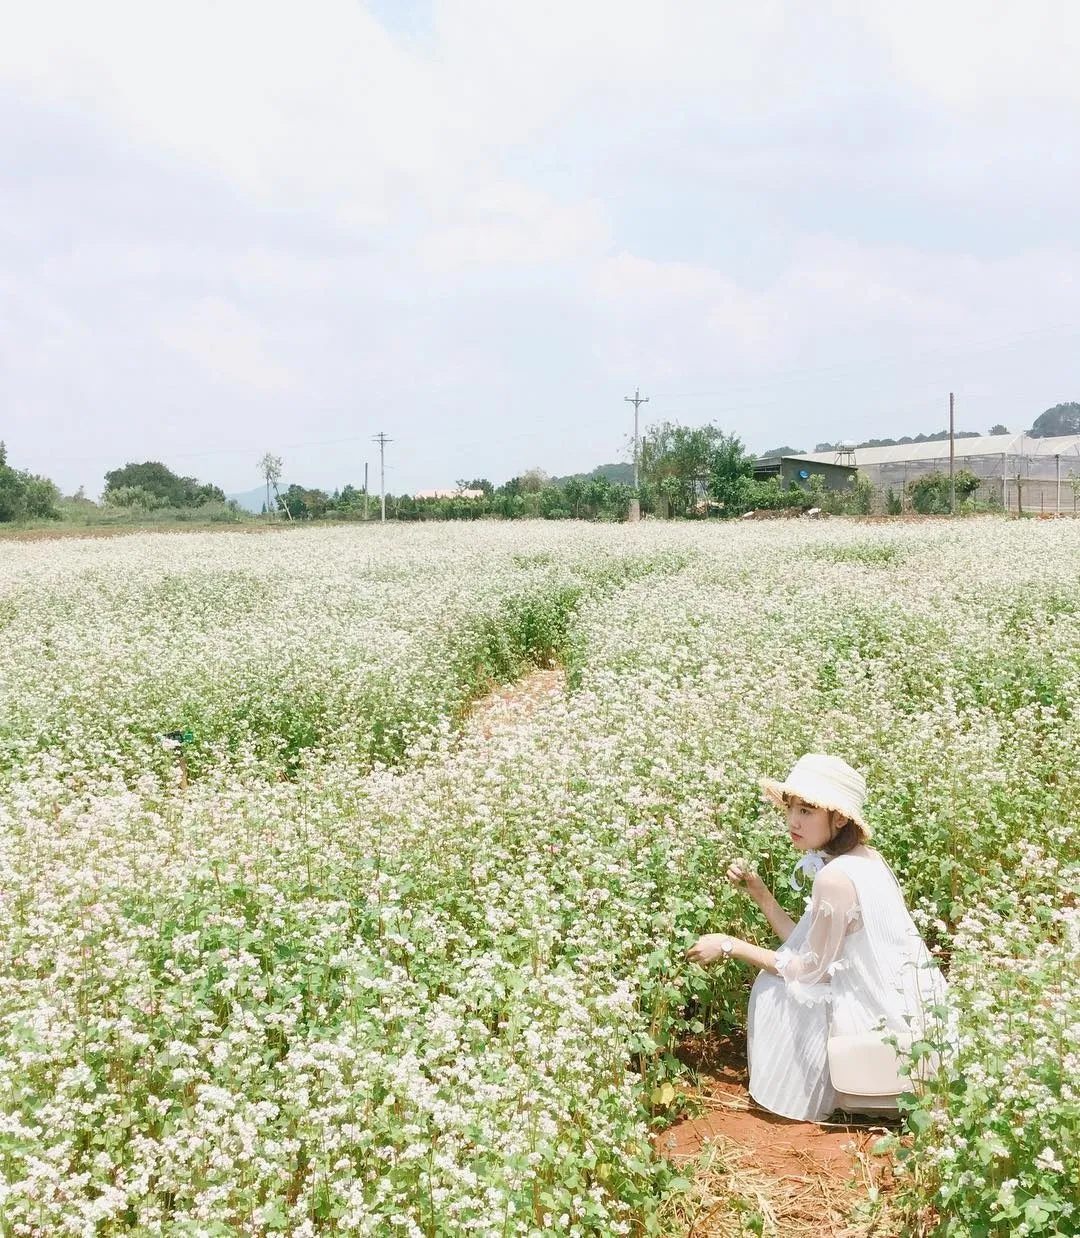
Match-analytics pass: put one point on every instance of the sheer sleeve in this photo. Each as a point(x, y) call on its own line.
point(834, 912)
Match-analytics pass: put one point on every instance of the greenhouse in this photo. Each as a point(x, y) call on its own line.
point(1017, 471)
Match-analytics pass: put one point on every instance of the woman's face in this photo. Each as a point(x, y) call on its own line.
point(808, 825)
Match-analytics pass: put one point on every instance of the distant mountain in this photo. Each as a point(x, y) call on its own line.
point(253, 500)
point(623, 473)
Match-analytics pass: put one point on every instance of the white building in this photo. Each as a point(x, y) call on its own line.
point(449, 494)
point(1045, 466)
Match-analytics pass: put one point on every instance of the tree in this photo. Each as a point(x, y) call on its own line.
point(730, 466)
point(168, 489)
point(553, 503)
point(597, 494)
point(507, 502)
point(198, 493)
point(670, 490)
point(615, 473)
point(25, 496)
point(786, 451)
point(647, 496)
point(618, 500)
point(478, 483)
point(347, 501)
point(270, 467)
point(574, 492)
point(303, 504)
point(134, 496)
point(151, 477)
point(675, 459)
point(532, 481)
point(292, 503)
point(1061, 419)
point(998, 429)
point(931, 493)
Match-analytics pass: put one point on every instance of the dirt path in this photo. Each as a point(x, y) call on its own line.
point(754, 1172)
point(514, 704)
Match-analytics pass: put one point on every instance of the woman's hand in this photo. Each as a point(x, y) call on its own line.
point(711, 947)
point(741, 874)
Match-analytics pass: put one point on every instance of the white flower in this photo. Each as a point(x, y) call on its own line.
point(1047, 1160)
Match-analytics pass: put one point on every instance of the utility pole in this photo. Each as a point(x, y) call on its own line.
point(636, 399)
point(365, 490)
point(382, 440)
point(952, 457)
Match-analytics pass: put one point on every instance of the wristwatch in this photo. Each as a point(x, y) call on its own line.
point(727, 944)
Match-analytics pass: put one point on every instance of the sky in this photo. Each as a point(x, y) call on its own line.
point(230, 227)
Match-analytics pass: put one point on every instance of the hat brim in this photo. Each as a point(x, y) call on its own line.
point(775, 791)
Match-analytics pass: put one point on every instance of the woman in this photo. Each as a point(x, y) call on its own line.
point(852, 964)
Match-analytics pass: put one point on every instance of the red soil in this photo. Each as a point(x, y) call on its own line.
point(836, 1160)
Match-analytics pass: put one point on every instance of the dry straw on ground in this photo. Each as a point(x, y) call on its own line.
point(753, 1172)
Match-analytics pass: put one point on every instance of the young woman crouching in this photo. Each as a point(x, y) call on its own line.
point(854, 963)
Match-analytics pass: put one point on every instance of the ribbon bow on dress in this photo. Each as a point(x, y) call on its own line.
point(812, 863)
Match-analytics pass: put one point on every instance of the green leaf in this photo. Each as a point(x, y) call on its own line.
point(1037, 1211)
point(273, 1216)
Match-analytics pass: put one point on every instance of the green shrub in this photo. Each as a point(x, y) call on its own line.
point(24, 496)
point(748, 494)
point(862, 495)
point(931, 494)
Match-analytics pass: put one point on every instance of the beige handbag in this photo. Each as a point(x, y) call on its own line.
point(867, 1071)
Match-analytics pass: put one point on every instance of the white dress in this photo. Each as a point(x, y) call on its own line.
point(853, 963)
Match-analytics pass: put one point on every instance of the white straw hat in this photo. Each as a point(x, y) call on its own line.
point(825, 782)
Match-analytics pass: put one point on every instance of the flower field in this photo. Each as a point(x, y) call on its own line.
point(336, 961)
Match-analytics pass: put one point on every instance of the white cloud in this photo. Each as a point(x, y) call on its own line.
point(835, 308)
point(252, 211)
point(656, 316)
point(283, 102)
point(986, 57)
point(509, 224)
point(218, 337)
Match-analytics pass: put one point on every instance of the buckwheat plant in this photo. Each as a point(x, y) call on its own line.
point(341, 960)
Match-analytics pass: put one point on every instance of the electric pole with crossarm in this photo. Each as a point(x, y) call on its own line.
point(636, 399)
point(382, 440)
